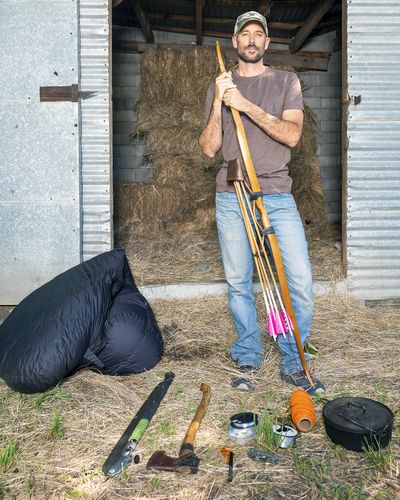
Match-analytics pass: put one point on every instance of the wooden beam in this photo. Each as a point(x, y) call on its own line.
point(264, 7)
point(294, 3)
point(199, 20)
point(214, 34)
point(321, 8)
point(301, 60)
point(221, 21)
point(143, 20)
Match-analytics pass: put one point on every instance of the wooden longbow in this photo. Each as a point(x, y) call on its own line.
point(267, 229)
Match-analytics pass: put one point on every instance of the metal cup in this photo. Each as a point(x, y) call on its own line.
point(286, 435)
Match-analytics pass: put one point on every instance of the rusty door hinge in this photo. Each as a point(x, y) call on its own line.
point(67, 93)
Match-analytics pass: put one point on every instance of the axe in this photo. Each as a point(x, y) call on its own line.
point(186, 462)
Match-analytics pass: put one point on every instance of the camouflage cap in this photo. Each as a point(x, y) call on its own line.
point(248, 17)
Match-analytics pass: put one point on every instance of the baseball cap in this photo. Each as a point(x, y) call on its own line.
point(247, 17)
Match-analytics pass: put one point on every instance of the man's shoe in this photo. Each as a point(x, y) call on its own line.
point(248, 369)
point(242, 384)
point(299, 379)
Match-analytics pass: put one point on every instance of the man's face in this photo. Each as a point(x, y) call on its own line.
point(251, 43)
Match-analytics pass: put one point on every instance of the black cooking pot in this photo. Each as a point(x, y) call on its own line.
point(356, 423)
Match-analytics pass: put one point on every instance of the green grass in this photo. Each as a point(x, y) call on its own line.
point(379, 459)
point(52, 395)
point(271, 394)
point(266, 438)
point(166, 427)
point(155, 482)
point(29, 484)
point(8, 455)
point(318, 474)
point(56, 430)
point(75, 493)
point(4, 396)
point(320, 399)
point(178, 391)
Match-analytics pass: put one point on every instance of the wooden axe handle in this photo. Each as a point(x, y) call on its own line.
point(194, 426)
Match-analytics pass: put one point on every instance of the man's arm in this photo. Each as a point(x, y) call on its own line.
point(210, 139)
point(286, 130)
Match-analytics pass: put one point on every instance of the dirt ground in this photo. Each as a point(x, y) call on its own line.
point(53, 445)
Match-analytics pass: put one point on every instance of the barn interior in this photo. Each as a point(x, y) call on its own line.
point(163, 61)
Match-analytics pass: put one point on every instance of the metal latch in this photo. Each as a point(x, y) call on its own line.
point(356, 99)
point(68, 93)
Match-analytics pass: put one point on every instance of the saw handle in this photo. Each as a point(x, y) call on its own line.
point(190, 435)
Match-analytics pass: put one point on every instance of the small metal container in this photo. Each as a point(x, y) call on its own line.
point(243, 427)
point(286, 435)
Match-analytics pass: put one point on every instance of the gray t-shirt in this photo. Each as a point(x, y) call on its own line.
point(274, 91)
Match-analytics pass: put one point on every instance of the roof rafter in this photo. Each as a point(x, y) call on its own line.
point(320, 9)
point(143, 19)
point(214, 34)
point(264, 7)
point(199, 20)
point(222, 21)
point(305, 60)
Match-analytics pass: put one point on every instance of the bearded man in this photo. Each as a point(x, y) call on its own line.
point(271, 107)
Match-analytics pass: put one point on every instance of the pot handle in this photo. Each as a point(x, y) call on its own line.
point(378, 433)
point(358, 406)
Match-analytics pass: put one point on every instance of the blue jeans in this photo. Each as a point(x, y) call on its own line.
point(238, 266)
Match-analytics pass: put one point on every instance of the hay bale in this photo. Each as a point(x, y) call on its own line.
point(179, 75)
point(304, 169)
point(170, 115)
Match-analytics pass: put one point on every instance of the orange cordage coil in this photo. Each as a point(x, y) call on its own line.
point(302, 408)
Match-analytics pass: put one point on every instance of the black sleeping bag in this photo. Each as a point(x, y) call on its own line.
point(64, 324)
point(132, 337)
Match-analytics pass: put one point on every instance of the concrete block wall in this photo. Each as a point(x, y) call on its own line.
point(322, 94)
point(127, 153)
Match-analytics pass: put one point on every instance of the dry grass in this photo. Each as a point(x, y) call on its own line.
point(190, 255)
point(358, 355)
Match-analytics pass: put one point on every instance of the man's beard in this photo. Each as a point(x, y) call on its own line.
point(251, 59)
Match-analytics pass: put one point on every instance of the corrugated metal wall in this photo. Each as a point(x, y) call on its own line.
point(40, 205)
point(373, 157)
point(95, 58)
point(55, 157)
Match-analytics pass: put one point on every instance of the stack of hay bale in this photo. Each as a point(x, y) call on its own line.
point(180, 196)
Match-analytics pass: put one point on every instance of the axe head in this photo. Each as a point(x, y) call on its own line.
point(185, 464)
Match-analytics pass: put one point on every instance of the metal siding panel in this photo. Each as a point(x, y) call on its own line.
point(96, 128)
point(42, 240)
point(39, 151)
point(373, 204)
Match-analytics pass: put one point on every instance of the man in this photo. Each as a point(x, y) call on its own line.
point(271, 106)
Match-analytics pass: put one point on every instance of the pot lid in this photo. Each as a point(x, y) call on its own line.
point(358, 415)
point(244, 420)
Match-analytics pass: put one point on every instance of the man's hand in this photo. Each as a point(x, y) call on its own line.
point(223, 83)
point(234, 99)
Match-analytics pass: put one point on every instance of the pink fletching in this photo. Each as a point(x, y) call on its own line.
point(284, 321)
point(274, 326)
